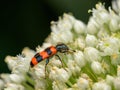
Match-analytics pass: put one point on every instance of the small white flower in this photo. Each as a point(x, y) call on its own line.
point(39, 71)
point(69, 17)
point(109, 45)
point(116, 5)
point(63, 24)
point(100, 14)
point(59, 74)
point(109, 79)
point(83, 84)
point(114, 24)
point(11, 61)
point(23, 64)
point(115, 59)
point(5, 77)
point(28, 53)
point(101, 86)
point(103, 32)
point(17, 78)
point(73, 67)
point(12, 86)
point(40, 84)
point(18, 64)
point(116, 83)
point(61, 30)
point(44, 45)
point(79, 58)
point(57, 85)
point(92, 26)
point(80, 43)
point(65, 36)
point(79, 27)
point(96, 67)
point(39, 49)
point(1, 84)
point(91, 40)
point(55, 62)
point(92, 54)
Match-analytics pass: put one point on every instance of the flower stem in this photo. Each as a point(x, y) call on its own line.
point(69, 84)
point(27, 86)
point(29, 80)
point(87, 70)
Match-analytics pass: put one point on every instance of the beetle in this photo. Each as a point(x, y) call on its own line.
point(49, 52)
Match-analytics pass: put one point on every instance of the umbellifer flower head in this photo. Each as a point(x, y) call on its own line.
point(93, 66)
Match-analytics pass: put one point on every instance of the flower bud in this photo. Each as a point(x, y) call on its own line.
point(1, 84)
point(116, 83)
point(109, 79)
point(11, 61)
point(39, 71)
point(73, 67)
point(114, 25)
point(79, 27)
point(57, 85)
point(65, 36)
point(83, 84)
point(92, 27)
point(115, 59)
point(59, 74)
point(41, 84)
point(5, 77)
point(100, 14)
point(17, 78)
point(92, 54)
point(96, 67)
point(91, 40)
point(12, 86)
point(80, 43)
point(116, 5)
point(79, 58)
point(101, 86)
point(109, 46)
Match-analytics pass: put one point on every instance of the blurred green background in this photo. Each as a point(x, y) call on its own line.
point(27, 22)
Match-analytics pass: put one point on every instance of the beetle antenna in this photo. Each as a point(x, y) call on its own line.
point(71, 51)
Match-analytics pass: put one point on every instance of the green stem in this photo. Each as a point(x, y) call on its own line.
point(90, 73)
point(72, 79)
point(27, 87)
point(69, 84)
point(29, 80)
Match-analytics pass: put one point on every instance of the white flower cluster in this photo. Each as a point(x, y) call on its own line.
point(95, 64)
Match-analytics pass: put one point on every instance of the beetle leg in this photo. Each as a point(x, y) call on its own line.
point(47, 61)
point(61, 62)
point(59, 59)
